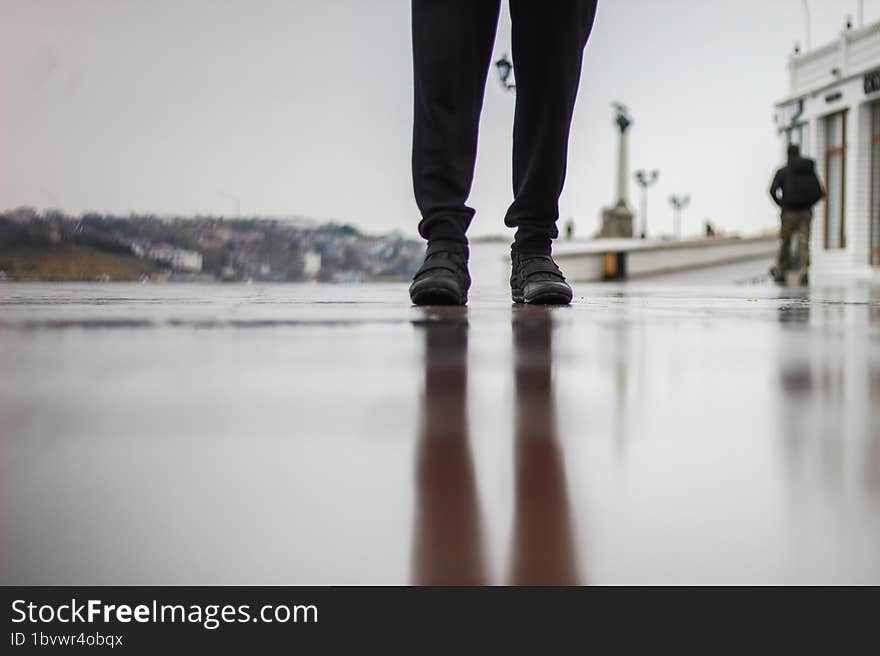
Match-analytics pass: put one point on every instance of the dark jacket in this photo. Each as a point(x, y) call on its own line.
point(796, 186)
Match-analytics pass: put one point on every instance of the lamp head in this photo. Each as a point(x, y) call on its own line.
point(504, 67)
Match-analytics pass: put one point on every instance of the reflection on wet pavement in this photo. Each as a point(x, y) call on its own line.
point(448, 541)
point(543, 549)
point(448, 544)
point(336, 435)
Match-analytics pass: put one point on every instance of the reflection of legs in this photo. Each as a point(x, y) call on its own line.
point(548, 39)
point(452, 46)
point(785, 233)
point(447, 546)
point(543, 545)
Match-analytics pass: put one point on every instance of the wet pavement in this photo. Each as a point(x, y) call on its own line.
point(297, 434)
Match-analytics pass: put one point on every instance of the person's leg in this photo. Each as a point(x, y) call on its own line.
point(785, 232)
point(548, 42)
point(803, 233)
point(452, 48)
point(804, 222)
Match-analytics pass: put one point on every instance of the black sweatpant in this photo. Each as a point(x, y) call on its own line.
point(452, 49)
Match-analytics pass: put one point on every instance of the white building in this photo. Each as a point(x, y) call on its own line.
point(833, 112)
point(178, 259)
point(311, 264)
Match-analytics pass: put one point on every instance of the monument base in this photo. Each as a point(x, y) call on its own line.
point(617, 221)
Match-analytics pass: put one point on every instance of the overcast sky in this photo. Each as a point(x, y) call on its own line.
point(304, 107)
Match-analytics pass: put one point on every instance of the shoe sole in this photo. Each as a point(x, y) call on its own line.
point(437, 296)
point(550, 298)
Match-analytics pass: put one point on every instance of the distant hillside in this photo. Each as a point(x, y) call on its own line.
point(71, 262)
point(54, 246)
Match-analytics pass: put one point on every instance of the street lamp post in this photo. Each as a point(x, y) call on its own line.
point(807, 23)
point(644, 181)
point(235, 199)
point(679, 202)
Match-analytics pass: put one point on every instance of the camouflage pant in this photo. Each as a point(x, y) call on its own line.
point(795, 222)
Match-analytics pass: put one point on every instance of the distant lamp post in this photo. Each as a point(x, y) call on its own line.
point(645, 180)
point(807, 23)
point(235, 199)
point(679, 202)
point(504, 68)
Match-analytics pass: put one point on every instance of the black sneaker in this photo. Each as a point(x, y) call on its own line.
point(778, 275)
point(535, 278)
point(443, 278)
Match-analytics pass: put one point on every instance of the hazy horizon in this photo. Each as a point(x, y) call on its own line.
point(304, 109)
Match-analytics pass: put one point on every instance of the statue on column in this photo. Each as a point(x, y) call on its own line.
point(617, 220)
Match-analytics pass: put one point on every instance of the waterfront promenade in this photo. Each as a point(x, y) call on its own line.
point(303, 434)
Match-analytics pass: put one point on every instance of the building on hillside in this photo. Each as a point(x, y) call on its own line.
point(311, 264)
point(178, 259)
point(833, 112)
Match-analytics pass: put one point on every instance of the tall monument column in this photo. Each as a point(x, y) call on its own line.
point(622, 160)
point(617, 221)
